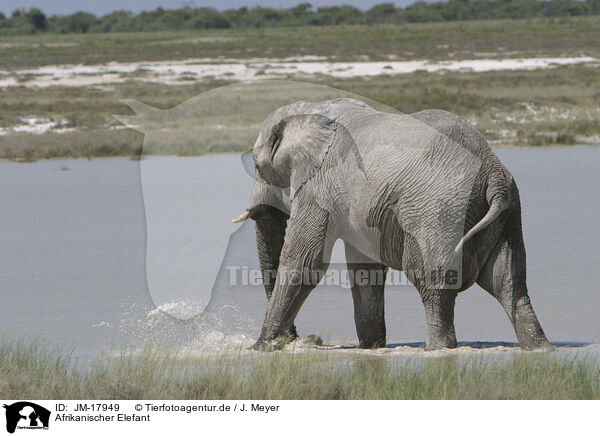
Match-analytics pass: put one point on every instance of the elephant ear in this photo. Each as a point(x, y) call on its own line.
point(311, 138)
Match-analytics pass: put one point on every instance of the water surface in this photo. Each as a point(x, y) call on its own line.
point(74, 269)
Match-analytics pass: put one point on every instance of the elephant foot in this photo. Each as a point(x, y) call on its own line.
point(542, 345)
point(439, 347)
point(310, 341)
point(529, 332)
point(441, 342)
point(275, 344)
point(370, 344)
point(267, 346)
point(371, 334)
point(282, 340)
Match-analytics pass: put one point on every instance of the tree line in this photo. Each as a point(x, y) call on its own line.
point(34, 20)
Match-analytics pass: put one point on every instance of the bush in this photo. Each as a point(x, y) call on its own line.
point(37, 19)
point(34, 20)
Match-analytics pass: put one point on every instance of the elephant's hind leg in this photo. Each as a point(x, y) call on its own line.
point(504, 277)
point(367, 279)
point(439, 317)
point(438, 303)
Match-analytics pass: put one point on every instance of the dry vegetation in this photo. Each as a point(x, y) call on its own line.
point(555, 106)
point(156, 374)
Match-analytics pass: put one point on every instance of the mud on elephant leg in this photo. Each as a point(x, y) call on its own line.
point(367, 279)
point(504, 277)
point(439, 317)
point(304, 261)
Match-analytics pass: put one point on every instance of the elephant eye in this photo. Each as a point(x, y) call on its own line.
point(276, 142)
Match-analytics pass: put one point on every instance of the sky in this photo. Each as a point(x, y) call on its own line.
point(60, 7)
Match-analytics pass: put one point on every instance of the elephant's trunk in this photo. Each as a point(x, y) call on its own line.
point(267, 207)
point(270, 233)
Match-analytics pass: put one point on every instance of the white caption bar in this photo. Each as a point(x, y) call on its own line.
point(299, 417)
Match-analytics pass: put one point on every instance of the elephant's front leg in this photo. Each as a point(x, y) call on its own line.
point(302, 265)
point(367, 278)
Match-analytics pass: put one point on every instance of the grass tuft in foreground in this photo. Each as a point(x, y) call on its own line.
point(33, 372)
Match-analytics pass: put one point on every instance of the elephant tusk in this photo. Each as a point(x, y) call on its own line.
point(243, 217)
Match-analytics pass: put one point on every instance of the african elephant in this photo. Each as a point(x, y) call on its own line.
point(422, 193)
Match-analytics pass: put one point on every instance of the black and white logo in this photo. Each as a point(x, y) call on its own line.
point(26, 415)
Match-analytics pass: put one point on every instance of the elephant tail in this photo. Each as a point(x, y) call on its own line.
point(496, 208)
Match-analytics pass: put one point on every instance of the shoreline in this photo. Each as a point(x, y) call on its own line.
point(227, 153)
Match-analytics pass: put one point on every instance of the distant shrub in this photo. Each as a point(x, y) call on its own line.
point(34, 20)
point(37, 19)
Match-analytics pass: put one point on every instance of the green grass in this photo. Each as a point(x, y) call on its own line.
point(32, 372)
point(450, 40)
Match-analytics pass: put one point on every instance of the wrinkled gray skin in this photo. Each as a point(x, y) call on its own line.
point(409, 192)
